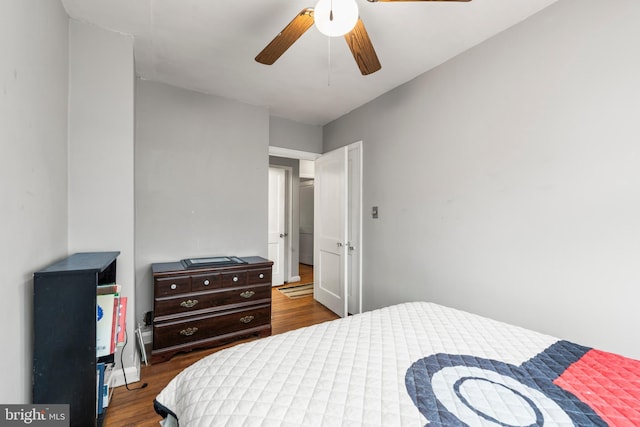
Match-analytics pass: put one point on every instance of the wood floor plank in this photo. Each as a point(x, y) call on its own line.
point(135, 408)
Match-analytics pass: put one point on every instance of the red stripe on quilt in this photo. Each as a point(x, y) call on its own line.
point(608, 383)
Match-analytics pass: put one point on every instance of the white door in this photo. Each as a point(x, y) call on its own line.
point(277, 232)
point(330, 231)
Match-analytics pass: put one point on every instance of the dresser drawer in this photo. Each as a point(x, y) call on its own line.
point(259, 276)
point(245, 295)
point(203, 327)
point(234, 278)
point(206, 281)
point(172, 285)
point(196, 302)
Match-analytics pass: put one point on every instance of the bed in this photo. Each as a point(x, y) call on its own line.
point(410, 364)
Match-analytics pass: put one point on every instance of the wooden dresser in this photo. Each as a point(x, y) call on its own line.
point(209, 306)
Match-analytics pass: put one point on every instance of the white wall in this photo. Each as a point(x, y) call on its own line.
point(285, 133)
point(33, 171)
point(101, 131)
point(201, 179)
point(508, 178)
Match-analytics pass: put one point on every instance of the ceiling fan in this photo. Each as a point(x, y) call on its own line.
point(333, 18)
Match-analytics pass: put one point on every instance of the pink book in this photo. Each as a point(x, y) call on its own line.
point(114, 323)
point(122, 320)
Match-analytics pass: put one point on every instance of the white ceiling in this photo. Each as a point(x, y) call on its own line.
point(210, 45)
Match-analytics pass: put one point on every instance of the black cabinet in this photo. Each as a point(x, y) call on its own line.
point(64, 326)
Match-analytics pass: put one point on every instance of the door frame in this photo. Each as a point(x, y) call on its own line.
point(306, 155)
point(359, 215)
point(298, 155)
point(292, 154)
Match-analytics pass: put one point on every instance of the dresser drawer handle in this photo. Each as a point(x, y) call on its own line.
point(235, 278)
point(247, 294)
point(206, 282)
point(261, 275)
point(188, 332)
point(246, 319)
point(174, 286)
point(189, 303)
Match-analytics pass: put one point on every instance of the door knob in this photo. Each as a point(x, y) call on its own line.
point(283, 234)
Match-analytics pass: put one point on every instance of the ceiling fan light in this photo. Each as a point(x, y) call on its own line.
point(345, 16)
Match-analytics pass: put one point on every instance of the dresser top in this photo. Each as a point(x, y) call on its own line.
point(178, 266)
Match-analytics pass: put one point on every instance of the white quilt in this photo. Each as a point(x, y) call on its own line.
point(349, 372)
point(411, 364)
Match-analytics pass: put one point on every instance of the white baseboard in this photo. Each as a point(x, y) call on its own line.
point(293, 279)
point(132, 372)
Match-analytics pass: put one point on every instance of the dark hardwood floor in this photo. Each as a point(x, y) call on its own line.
point(135, 407)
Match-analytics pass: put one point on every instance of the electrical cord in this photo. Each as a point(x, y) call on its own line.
point(126, 340)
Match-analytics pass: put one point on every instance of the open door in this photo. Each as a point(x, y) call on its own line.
point(277, 232)
point(330, 231)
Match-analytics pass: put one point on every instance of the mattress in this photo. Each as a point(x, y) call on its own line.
point(410, 364)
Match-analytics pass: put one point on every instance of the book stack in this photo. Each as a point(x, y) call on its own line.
point(104, 387)
point(111, 314)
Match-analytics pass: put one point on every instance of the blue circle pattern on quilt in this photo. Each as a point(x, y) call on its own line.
point(445, 388)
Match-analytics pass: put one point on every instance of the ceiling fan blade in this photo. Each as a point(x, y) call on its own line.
point(376, 1)
point(286, 37)
point(362, 49)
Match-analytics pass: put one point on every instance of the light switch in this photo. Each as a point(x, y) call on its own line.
point(374, 212)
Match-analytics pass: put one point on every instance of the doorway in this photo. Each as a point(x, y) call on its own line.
point(306, 195)
point(348, 277)
point(293, 228)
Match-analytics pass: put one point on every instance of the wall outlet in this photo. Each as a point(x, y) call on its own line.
point(148, 318)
